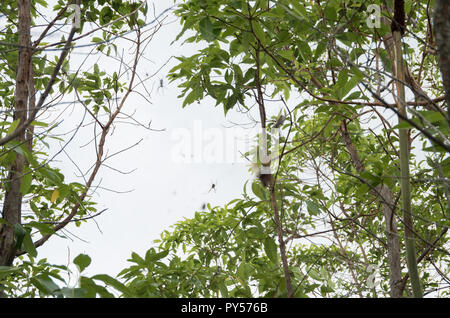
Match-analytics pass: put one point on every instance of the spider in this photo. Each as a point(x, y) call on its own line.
point(213, 187)
point(160, 85)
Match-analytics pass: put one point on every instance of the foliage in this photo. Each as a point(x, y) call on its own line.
point(331, 73)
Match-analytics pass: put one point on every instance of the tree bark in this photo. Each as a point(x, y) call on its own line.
point(420, 95)
point(442, 35)
point(398, 28)
point(386, 199)
point(13, 197)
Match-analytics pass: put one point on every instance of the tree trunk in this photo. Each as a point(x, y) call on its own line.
point(398, 27)
point(386, 199)
point(442, 35)
point(13, 197)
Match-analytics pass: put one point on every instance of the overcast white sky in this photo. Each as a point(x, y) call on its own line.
point(164, 191)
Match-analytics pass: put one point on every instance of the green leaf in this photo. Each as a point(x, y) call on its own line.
point(299, 10)
point(151, 256)
point(72, 292)
point(249, 75)
point(243, 272)
point(341, 82)
point(353, 95)
point(194, 95)
point(258, 190)
point(82, 261)
point(13, 127)
point(206, 29)
point(330, 13)
point(137, 259)
point(113, 282)
point(314, 274)
point(288, 54)
point(231, 101)
point(432, 116)
point(320, 49)
point(350, 85)
point(228, 77)
point(403, 125)
point(28, 244)
point(271, 250)
point(387, 62)
point(371, 179)
point(238, 76)
point(312, 207)
point(106, 15)
point(19, 234)
point(43, 228)
point(255, 232)
point(305, 50)
point(324, 289)
point(26, 180)
point(93, 289)
point(44, 283)
point(235, 47)
point(39, 123)
point(362, 189)
point(223, 289)
point(8, 270)
point(259, 32)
